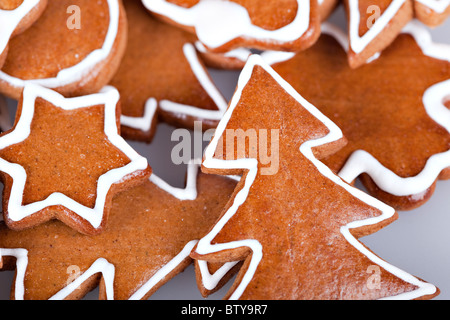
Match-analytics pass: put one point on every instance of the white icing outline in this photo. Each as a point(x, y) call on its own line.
point(438, 6)
point(108, 97)
point(10, 19)
point(189, 192)
point(101, 265)
point(144, 123)
point(433, 100)
point(164, 271)
point(82, 69)
point(211, 20)
point(205, 245)
point(21, 256)
point(358, 43)
point(240, 54)
point(210, 281)
point(361, 161)
point(271, 56)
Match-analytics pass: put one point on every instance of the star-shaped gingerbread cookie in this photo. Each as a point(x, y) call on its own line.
point(223, 25)
point(162, 77)
point(152, 229)
point(74, 48)
point(391, 111)
point(15, 17)
point(374, 24)
point(295, 228)
point(64, 158)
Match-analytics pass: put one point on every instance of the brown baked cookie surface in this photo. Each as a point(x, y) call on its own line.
point(146, 243)
point(295, 228)
point(374, 24)
point(74, 48)
point(16, 17)
point(64, 159)
point(385, 108)
point(225, 25)
point(162, 77)
point(235, 59)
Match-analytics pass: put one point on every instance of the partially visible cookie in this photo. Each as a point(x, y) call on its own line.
point(152, 230)
point(74, 48)
point(374, 25)
point(15, 17)
point(222, 26)
point(64, 159)
point(162, 77)
point(391, 110)
point(236, 58)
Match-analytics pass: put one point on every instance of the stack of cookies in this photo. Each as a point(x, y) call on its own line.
point(271, 203)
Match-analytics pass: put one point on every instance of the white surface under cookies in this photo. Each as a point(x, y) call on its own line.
point(418, 242)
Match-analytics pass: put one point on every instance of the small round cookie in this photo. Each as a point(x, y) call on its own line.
point(74, 48)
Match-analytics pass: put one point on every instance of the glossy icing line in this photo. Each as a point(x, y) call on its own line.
point(107, 269)
point(108, 97)
point(210, 18)
point(208, 86)
point(144, 123)
point(164, 271)
point(433, 100)
point(438, 6)
point(10, 19)
point(205, 245)
point(100, 265)
point(80, 70)
point(210, 281)
point(21, 256)
point(358, 43)
point(187, 193)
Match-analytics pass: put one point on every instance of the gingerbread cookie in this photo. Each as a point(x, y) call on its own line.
point(15, 17)
point(152, 229)
point(64, 159)
point(391, 111)
point(236, 58)
point(162, 77)
point(373, 25)
point(74, 48)
point(282, 222)
point(222, 26)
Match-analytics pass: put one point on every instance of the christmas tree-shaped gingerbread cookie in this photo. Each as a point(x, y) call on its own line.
point(292, 222)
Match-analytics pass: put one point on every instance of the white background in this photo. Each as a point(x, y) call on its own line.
point(418, 242)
